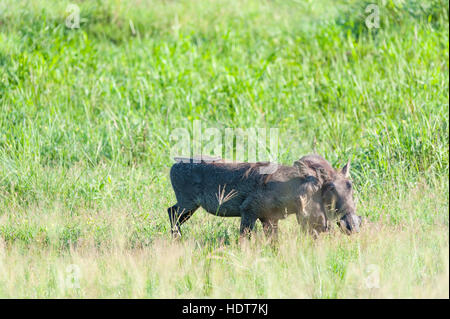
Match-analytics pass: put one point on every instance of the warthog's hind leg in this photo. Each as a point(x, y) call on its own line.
point(177, 216)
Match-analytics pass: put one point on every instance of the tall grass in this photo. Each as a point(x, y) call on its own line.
point(85, 122)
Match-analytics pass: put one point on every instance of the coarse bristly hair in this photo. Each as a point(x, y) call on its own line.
point(315, 167)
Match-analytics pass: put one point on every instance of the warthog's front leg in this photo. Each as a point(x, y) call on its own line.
point(270, 227)
point(248, 220)
point(314, 224)
point(248, 217)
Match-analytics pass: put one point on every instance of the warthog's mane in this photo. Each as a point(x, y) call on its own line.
point(317, 167)
point(312, 169)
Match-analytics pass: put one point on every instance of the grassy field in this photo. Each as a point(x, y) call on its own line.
point(86, 116)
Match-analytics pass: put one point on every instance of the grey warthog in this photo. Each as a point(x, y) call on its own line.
point(311, 189)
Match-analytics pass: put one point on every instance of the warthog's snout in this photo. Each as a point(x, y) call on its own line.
point(350, 223)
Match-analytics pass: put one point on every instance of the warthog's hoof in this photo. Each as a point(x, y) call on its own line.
point(176, 234)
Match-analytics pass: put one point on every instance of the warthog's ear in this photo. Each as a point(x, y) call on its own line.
point(346, 169)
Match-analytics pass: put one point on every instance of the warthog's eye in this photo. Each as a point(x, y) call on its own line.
point(348, 184)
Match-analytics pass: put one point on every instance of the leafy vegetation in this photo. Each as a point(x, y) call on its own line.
point(86, 116)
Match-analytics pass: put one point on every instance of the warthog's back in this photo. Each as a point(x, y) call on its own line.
point(198, 159)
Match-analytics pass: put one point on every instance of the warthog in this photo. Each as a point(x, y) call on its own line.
point(311, 189)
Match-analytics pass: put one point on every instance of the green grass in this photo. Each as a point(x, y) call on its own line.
point(85, 123)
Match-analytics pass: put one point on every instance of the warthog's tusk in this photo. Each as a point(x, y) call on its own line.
point(333, 205)
point(303, 205)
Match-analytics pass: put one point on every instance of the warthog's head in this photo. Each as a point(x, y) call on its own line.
point(336, 191)
point(338, 200)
